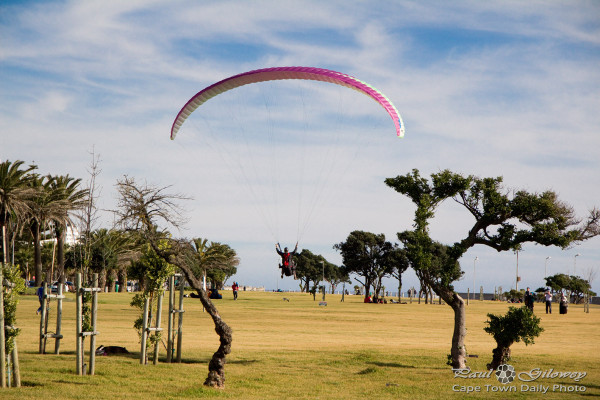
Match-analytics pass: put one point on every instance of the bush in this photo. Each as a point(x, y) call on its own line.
point(518, 324)
point(12, 274)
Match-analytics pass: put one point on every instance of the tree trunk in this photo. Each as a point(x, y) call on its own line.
point(216, 366)
point(367, 287)
point(102, 282)
point(302, 287)
point(457, 351)
point(399, 287)
point(4, 244)
point(37, 253)
point(60, 254)
point(112, 280)
point(123, 280)
point(501, 355)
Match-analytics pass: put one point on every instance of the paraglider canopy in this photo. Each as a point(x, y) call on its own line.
point(279, 73)
point(297, 169)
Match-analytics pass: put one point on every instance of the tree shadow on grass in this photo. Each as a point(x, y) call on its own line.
point(30, 384)
point(242, 362)
point(125, 355)
point(588, 386)
point(50, 352)
point(591, 386)
point(367, 371)
point(391, 365)
point(63, 381)
point(207, 360)
point(29, 352)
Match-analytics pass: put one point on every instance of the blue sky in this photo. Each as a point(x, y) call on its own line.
point(489, 88)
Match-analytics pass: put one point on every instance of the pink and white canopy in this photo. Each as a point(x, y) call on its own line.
point(279, 73)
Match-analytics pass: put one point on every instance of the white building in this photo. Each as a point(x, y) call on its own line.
point(71, 236)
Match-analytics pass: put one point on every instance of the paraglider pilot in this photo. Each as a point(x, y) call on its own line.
point(287, 263)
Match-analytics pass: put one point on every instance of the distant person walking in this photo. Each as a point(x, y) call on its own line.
point(235, 289)
point(40, 294)
point(548, 297)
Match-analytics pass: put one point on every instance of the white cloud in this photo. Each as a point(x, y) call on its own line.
point(514, 93)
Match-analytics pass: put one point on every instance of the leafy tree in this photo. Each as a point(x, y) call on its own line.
point(519, 324)
point(335, 275)
point(514, 295)
point(503, 220)
point(574, 285)
point(370, 256)
point(401, 265)
point(558, 282)
point(313, 268)
point(154, 271)
point(579, 287)
point(309, 269)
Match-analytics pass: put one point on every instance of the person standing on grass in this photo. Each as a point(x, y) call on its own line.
point(563, 304)
point(235, 288)
point(548, 297)
point(529, 299)
point(40, 294)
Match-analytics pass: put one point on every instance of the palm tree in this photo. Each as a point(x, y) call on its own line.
point(218, 261)
point(202, 257)
point(47, 206)
point(129, 249)
point(67, 190)
point(14, 197)
point(225, 265)
point(111, 250)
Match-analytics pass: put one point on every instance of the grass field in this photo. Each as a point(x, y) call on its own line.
point(301, 350)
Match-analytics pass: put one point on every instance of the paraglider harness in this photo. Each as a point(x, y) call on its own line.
point(288, 267)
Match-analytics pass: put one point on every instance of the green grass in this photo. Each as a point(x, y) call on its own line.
point(300, 350)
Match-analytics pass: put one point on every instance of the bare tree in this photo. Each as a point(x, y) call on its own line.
point(89, 213)
point(141, 208)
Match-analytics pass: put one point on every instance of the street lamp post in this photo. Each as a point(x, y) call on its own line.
point(474, 261)
point(546, 267)
point(575, 263)
point(323, 264)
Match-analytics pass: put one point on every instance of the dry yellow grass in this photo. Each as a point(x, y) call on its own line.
point(298, 349)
